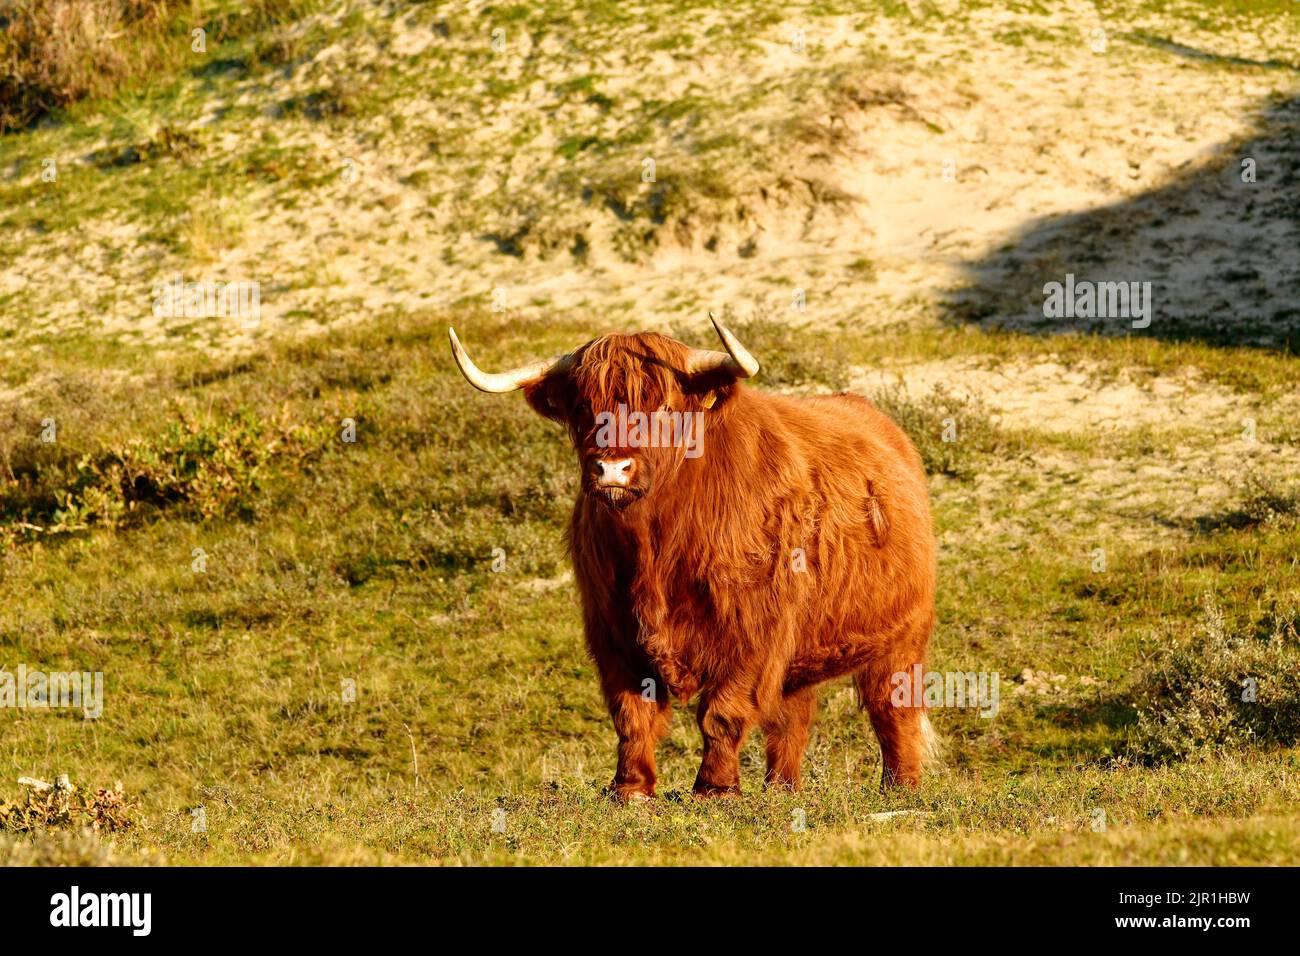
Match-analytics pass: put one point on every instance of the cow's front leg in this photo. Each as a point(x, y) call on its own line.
point(725, 720)
point(640, 724)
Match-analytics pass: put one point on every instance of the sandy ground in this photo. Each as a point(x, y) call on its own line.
point(1050, 396)
point(951, 178)
point(895, 171)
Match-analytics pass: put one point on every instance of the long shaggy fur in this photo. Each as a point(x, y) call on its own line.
point(796, 549)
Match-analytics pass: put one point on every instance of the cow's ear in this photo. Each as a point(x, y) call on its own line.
point(715, 397)
point(550, 397)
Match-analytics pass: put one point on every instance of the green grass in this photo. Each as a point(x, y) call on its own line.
point(371, 562)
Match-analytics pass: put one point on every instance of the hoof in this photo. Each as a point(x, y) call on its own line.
point(629, 794)
point(709, 792)
point(889, 781)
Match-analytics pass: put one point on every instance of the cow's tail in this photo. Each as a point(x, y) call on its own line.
point(931, 743)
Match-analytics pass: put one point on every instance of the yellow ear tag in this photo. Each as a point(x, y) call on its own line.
point(708, 402)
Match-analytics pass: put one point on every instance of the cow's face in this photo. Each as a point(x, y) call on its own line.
point(636, 406)
point(632, 410)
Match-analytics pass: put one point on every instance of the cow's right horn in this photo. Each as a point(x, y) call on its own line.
point(504, 381)
point(735, 360)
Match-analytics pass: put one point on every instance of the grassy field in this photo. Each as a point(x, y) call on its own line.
point(278, 544)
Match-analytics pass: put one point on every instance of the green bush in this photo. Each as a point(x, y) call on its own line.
point(1269, 502)
point(211, 466)
point(950, 431)
point(1224, 688)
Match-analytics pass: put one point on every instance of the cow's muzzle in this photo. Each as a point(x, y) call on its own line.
point(614, 481)
point(616, 498)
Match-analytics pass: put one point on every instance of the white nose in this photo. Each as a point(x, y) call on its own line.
point(615, 473)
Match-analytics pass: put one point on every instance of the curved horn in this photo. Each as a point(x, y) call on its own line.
point(735, 360)
point(503, 381)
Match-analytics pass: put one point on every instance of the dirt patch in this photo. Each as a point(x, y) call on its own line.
point(1052, 397)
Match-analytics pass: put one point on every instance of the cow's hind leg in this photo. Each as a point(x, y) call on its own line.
point(786, 729)
point(900, 730)
point(906, 738)
point(898, 717)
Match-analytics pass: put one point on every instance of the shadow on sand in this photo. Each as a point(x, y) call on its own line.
point(1219, 244)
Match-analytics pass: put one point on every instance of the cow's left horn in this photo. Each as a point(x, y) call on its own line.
point(503, 381)
point(735, 360)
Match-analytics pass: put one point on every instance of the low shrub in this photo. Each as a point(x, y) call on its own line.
point(58, 806)
point(950, 431)
point(1224, 688)
point(210, 466)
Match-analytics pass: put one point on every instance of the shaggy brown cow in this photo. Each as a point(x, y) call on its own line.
point(790, 546)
